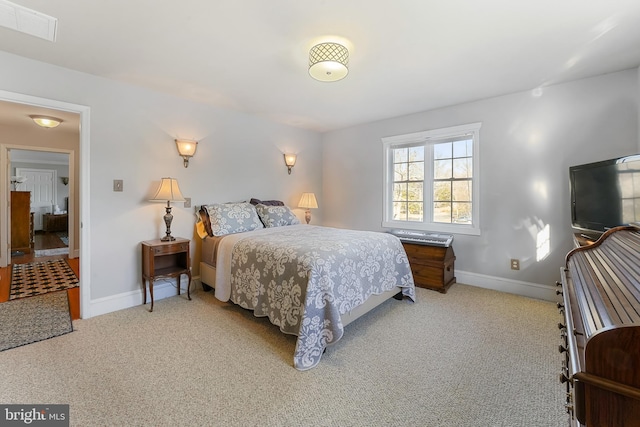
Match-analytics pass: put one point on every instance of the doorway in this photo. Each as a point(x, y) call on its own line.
point(78, 201)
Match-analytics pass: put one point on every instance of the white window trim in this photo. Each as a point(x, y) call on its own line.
point(425, 137)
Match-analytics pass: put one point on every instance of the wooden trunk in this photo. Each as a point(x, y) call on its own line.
point(432, 266)
point(55, 222)
point(601, 334)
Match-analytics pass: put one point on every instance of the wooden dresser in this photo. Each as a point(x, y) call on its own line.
point(22, 237)
point(432, 266)
point(601, 330)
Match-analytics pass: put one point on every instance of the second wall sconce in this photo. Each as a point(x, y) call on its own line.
point(186, 149)
point(64, 179)
point(290, 161)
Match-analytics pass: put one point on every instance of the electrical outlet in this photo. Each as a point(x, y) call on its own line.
point(117, 185)
point(515, 264)
point(187, 202)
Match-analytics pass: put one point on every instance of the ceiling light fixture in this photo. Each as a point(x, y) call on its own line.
point(46, 121)
point(328, 62)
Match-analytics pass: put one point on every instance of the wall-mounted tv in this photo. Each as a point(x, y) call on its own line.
point(605, 194)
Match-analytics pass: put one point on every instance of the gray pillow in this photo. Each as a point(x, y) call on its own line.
point(230, 218)
point(276, 216)
point(255, 201)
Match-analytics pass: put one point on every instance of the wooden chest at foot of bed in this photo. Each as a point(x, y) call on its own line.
point(432, 266)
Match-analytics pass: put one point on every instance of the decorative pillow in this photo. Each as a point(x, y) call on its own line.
point(276, 216)
point(201, 229)
point(266, 202)
point(204, 218)
point(230, 218)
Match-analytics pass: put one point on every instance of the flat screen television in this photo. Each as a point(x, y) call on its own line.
point(605, 194)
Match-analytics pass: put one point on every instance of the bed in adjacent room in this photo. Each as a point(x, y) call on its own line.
point(310, 281)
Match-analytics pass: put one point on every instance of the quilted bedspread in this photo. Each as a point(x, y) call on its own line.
point(305, 277)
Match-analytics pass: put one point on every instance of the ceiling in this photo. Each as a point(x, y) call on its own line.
point(406, 56)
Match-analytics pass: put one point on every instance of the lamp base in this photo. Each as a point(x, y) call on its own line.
point(307, 216)
point(168, 217)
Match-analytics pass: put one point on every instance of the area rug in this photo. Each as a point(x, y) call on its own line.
point(34, 319)
point(37, 278)
point(64, 236)
point(49, 252)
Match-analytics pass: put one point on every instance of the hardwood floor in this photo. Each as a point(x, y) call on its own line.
point(43, 241)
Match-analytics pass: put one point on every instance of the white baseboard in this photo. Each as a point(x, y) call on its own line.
point(133, 298)
point(526, 289)
point(165, 290)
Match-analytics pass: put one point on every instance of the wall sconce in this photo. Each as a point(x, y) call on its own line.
point(65, 180)
point(186, 148)
point(308, 201)
point(169, 191)
point(47, 122)
point(290, 161)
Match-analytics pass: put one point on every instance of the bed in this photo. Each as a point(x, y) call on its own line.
point(310, 281)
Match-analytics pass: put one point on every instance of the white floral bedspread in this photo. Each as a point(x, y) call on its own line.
point(304, 277)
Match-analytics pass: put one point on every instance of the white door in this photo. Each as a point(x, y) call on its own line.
point(40, 182)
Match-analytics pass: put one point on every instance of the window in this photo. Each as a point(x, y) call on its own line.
point(431, 180)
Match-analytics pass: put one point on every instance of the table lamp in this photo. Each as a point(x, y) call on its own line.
point(308, 201)
point(169, 191)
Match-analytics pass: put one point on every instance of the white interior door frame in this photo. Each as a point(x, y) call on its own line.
point(84, 183)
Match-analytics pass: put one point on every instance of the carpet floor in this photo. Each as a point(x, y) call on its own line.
point(469, 358)
point(37, 278)
point(28, 320)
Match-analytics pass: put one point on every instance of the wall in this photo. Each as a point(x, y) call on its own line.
point(132, 132)
point(527, 144)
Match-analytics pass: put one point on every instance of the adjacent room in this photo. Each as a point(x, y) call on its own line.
point(327, 213)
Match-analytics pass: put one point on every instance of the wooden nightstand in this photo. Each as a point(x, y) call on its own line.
point(161, 260)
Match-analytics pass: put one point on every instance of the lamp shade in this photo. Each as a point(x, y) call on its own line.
point(308, 201)
point(290, 160)
point(186, 147)
point(328, 62)
point(169, 191)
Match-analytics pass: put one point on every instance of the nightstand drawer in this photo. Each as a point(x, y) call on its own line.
point(170, 248)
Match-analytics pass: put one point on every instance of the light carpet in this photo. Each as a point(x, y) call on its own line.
point(37, 278)
point(28, 320)
point(471, 357)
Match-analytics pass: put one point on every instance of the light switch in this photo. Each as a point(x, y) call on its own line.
point(117, 185)
point(187, 202)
